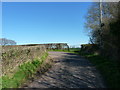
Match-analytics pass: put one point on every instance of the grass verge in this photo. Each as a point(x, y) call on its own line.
point(109, 69)
point(24, 72)
point(71, 50)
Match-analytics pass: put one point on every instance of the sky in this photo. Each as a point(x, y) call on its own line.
point(45, 22)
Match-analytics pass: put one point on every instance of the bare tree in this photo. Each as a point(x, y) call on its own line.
point(101, 17)
point(4, 41)
point(103, 27)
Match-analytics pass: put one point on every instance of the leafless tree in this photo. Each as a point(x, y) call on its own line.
point(4, 42)
point(106, 33)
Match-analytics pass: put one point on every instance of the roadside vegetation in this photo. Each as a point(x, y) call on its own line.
point(24, 72)
point(20, 63)
point(109, 69)
point(102, 23)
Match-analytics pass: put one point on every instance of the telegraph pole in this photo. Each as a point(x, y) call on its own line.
point(101, 24)
point(101, 11)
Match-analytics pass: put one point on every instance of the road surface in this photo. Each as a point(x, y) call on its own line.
point(69, 71)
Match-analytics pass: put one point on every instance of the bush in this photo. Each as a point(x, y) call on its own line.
point(89, 48)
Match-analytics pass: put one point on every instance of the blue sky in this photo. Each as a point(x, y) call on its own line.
point(45, 22)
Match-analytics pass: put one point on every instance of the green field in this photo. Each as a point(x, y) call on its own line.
point(72, 50)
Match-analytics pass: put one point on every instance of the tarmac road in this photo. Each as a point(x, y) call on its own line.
point(69, 71)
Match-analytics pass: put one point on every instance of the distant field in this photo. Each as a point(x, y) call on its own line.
point(72, 50)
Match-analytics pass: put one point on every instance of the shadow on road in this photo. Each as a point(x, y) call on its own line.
point(69, 71)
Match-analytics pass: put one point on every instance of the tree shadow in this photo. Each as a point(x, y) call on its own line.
point(72, 72)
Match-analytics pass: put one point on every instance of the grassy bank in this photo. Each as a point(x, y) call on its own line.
point(109, 69)
point(24, 72)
